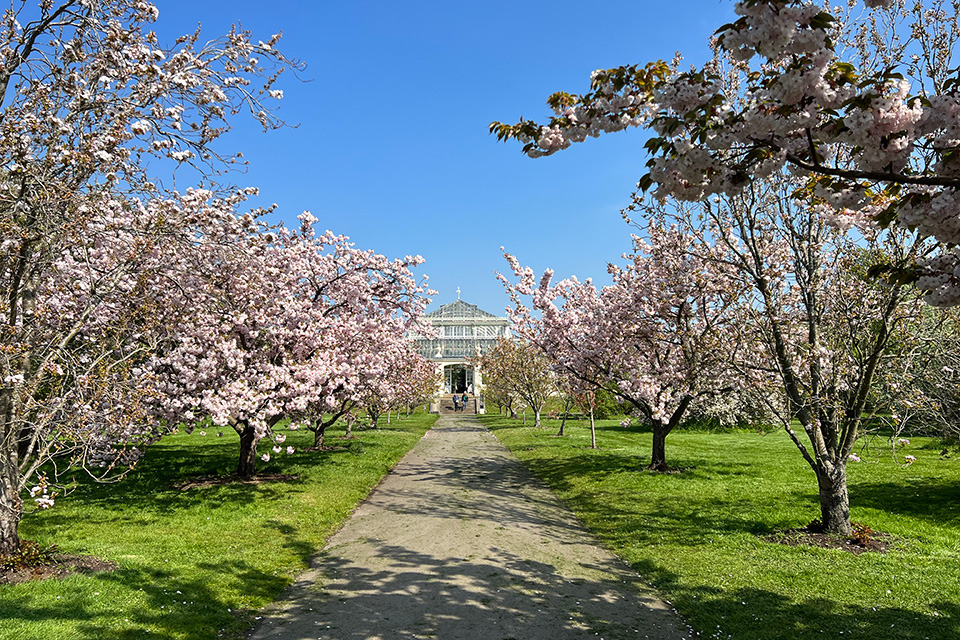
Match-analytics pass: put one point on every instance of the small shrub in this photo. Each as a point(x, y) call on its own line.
point(30, 555)
point(862, 533)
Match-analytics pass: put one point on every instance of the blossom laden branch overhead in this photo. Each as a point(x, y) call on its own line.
point(808, 97)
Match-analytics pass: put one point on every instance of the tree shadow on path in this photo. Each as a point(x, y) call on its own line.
point(498, 596)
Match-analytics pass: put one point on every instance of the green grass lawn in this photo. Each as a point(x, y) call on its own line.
point(196, 563)
point(698, 536)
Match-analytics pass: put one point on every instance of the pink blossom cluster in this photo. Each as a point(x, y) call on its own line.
point(127, 307)
point(774, 30)
point(285, 324)
point(658, 337)
point(795, 86)
point(940, 278)
point(614, 104)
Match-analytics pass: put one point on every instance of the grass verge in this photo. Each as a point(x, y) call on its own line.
point(698, 536)
point(197, 563)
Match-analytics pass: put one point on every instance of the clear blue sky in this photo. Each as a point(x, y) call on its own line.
point(392, 146)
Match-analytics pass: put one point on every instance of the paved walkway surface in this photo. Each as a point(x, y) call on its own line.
point(460, 541)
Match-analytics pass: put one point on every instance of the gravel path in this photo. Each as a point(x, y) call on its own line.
point(460, 541)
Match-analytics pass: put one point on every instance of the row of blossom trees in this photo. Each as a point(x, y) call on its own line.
point(764, 312)
point(517, 372)
point(128, 308)
point(820, 146)
point(288, 325)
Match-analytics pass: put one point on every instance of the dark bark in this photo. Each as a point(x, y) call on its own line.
point(320, 425)
point(11, 506)
point(247, 467)
point(661, 429)
point(658, 458)
point(11, 510)
point(834, 498)
point(567, 405)
point(318, 434)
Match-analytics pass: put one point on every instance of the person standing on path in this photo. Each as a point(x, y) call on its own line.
point(461, 542)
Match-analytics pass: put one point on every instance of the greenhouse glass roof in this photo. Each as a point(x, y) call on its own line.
point(462, 330)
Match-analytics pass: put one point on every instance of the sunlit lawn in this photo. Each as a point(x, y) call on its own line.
point(196, 563)
point(699, 536)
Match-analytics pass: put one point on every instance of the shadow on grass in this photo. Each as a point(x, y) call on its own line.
point(708, 499)
point(759, 614)
point(933, 499)
point(175, 606)
point(151, 485)
point(304, 550)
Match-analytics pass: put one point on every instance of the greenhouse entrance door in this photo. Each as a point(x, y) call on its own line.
point(458, 378)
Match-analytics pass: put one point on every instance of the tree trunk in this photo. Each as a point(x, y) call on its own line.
point(536, 418)
point(248, 452)
point(834, 498)
point(658, 457)
point(11, 507)
point(593, 431)
point(567, 405)
point(318, 433)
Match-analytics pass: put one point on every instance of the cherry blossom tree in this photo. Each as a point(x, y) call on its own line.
point(289, 325)
point(858, 106)
point(918, 390)
point(587, 400)
point(379, 368)
point(659, 337)
point(497, 393)
point(90, 246)
point(815, 329)
point(401, 377)
point(523, 370)
point(567, 388)
point(416, 381)
point(861, 103)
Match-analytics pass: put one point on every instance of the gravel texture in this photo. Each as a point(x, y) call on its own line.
point(460, 541)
